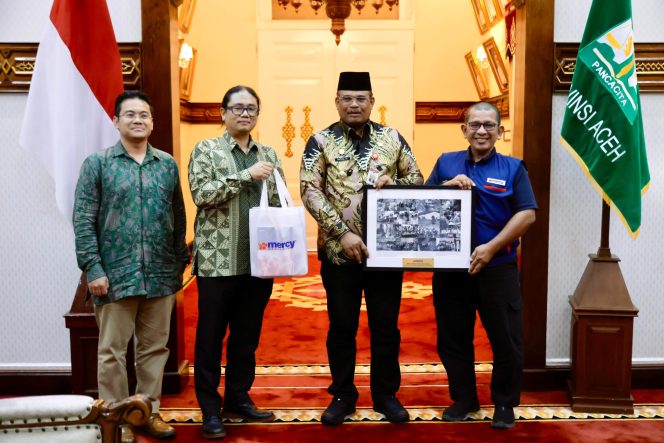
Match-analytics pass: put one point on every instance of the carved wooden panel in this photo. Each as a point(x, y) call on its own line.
point(454, 112)
point(192, 112)
point(17, 63)
point(649, 66)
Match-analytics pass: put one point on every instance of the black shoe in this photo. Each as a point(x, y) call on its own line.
point(503, 417)
point(336, 412)
point(213, 427)
point(391, 408)
point(247, 411)
point(459, 411)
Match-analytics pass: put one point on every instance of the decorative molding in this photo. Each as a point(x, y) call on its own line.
point(306, 130)
point(40, 382)
point(17, 63)
point(288, 131)
point(454, 112)
point(382, 110)
point(200, 113)
point(649, 66)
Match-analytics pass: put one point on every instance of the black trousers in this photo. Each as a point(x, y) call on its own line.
point(496, 295)
point(236, 303)
point(382, 293)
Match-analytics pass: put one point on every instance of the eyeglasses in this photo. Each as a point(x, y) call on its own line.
point(238, 110)
point(132, 115)
point(360, 100)
point(488, 126)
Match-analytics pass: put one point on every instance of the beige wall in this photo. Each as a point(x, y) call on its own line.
point(444, 33)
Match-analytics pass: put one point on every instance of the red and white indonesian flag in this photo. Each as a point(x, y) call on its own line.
point(77, 77)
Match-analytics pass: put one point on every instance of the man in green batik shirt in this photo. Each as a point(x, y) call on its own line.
point(129, 223)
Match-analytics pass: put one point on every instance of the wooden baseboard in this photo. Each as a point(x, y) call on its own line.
point(35, 382)
point(551, 379)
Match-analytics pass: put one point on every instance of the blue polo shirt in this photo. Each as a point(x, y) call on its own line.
point(502, 189)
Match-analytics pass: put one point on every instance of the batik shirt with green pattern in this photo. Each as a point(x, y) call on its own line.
point(129, 223)
point(223, 191)
point(335, 166)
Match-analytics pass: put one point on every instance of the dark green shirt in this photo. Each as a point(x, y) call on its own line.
point(249, 197)
point(129, 223)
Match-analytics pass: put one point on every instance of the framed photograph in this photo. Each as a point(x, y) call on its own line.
point(481, 15)
point(418, 228)
point(185, 14)
point(480, 82)
point(494, 10)
point(497, 65)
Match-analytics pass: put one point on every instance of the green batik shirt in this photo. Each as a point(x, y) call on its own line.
point(224, 191)
point(129, 223)
point(335, 165)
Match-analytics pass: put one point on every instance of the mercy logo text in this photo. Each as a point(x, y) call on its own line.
point(269, 246)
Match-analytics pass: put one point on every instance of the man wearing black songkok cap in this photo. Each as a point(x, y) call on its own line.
point(337, 162)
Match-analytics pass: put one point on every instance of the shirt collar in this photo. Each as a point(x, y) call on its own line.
point(484, 159)
point(118, 150)
point(351, 133)
point(234, 144)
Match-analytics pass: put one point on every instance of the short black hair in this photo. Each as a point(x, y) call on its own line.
point(128, 95)
point(482, 106)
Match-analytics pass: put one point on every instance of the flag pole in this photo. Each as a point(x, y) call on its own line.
point(604, 249)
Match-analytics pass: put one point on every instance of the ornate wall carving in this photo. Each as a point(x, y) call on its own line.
point(17, 63)
point(453, 112)
point(649, 66)
point(206, 113)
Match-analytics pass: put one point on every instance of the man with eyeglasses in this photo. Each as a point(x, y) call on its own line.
point(504, 209)
point(226, 176)
point(129, 224)
point(337, 162)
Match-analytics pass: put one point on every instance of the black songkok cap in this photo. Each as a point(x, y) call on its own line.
point(354, 81)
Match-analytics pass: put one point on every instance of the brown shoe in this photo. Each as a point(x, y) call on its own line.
point(157, 428)
point(126, 434)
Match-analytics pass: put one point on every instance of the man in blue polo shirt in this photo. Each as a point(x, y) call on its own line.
point(504, 209)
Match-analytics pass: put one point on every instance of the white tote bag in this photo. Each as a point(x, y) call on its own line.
point(277, 236)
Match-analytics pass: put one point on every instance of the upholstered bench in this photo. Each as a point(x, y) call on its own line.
point(68, 418)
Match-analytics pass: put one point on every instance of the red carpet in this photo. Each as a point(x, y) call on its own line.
point(293, 377)
point(622, 431)
point(295, 323)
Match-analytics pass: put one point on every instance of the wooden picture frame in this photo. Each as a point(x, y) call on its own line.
point(480, 82)
point(187, 77)
point(185, 14)
point(418, 228)
point(494, 11)
point(497, 66)
point(481, 15)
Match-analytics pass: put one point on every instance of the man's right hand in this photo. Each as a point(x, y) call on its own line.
point(99, 287)
point(462, 181)
point(260, 170)
point(354, 247)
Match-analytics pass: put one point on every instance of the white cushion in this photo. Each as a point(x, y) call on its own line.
point(51, 434)
point(44, 408)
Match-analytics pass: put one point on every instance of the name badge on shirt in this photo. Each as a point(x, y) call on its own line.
point(342, 159)
point(496, 181)
point(373, 174)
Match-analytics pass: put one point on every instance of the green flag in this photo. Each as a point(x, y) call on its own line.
point(602, 127)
